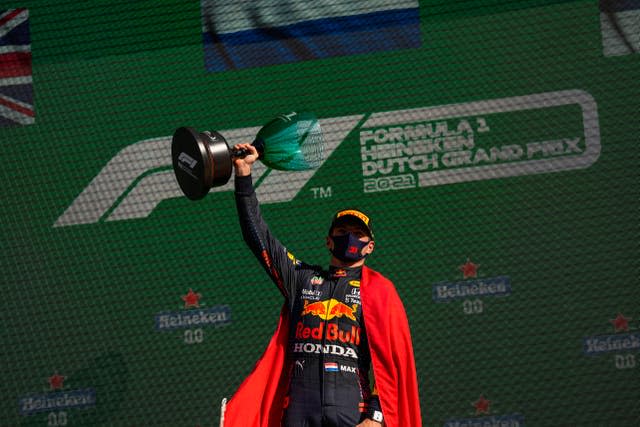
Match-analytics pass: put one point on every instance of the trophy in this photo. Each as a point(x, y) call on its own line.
point(202, 160)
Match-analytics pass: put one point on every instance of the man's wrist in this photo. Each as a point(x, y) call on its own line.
point(243, 170)
point(376, 415)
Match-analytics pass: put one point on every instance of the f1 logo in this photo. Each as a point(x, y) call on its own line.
point(139, 177)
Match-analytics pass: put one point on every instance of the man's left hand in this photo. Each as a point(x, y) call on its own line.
point(369, 423)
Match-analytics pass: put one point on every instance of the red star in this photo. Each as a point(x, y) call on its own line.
point(56, 381)
point(191, 299)
point(469, 269)
point(482, 405)
point(621, 323)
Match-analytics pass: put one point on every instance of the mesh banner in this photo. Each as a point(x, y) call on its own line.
point(493, 144)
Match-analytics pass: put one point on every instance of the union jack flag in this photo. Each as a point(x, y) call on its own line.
point(16, 85)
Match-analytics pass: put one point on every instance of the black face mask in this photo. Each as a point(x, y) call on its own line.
point(348, 248)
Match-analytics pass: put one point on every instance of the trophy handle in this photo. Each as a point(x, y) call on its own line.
point(241, 152)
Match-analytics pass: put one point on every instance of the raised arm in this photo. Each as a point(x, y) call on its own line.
point(271, 254)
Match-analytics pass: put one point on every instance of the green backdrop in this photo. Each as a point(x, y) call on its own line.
point(498, 162)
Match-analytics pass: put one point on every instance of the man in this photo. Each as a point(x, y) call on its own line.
point(335, 326)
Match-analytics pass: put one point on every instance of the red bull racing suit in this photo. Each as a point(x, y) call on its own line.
point(328, 353)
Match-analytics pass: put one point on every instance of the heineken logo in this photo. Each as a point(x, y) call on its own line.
point(57, 398)
point(57, 401)
point(611, 343)
point(622, 344)
point(471, 288)
point(515, 420)
point(482, 417)
point(192, 317)
point(493, 286)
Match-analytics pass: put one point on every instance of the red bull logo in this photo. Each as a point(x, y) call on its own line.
point(332, 333)
point(328, 309)
point(340, 273)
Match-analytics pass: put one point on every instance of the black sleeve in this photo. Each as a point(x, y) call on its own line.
point(374, 405)
point(279, 264)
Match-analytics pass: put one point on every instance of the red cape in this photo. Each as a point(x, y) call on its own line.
point(258, 402)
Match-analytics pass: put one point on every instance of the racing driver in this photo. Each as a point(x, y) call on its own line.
point(342, 354)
